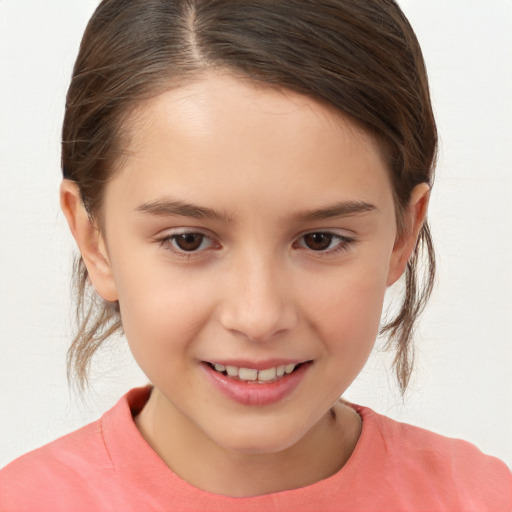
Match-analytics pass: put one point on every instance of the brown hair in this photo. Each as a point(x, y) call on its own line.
point(361, 57)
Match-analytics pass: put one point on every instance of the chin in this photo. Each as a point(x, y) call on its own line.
point(265, 440)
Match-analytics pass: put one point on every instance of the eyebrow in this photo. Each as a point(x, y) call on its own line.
point(341, 209)
point(170, 207)
point(178, 208)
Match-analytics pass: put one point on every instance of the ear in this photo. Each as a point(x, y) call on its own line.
point(89, 240)
point(414, 217)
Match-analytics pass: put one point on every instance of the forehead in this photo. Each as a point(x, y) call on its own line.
point(218, 95)
point(232, 141)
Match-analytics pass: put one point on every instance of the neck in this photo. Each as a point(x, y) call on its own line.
point(194, 457)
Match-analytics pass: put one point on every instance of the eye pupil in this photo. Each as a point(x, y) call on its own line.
point(318, 241)
point(189, 241)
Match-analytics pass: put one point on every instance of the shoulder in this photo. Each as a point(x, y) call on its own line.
point(79, 471)
point(31, 479)
point(453, 470)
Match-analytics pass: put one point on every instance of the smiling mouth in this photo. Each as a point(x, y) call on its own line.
point(264, 376)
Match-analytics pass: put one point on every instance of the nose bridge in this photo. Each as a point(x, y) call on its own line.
point(257, 304)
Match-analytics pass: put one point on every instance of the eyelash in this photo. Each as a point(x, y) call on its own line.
point(343, 243)
point(168, 243)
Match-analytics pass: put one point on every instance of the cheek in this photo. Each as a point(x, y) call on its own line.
point(348, 308)
point(162, 309)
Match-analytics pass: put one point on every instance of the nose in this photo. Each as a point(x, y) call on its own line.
point(258, 304)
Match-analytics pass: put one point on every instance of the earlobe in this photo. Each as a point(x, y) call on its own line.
point(89, 240)
point(414, 217)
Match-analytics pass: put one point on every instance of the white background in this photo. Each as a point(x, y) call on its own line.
point(463, 384)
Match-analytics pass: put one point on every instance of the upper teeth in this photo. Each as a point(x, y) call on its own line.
point(265, 375)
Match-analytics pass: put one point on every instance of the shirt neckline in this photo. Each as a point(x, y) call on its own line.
point(133, 458)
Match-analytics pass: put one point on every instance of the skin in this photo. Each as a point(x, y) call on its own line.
point(255, 288)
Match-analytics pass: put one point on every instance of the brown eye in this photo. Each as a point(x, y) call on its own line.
point(189, 241)
point(318, 241)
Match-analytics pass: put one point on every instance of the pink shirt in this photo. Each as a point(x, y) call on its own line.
point(108, 466)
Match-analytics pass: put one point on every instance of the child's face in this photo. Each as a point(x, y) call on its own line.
point(250, 228)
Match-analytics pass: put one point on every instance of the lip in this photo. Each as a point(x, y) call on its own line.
point(254, 393)
point(256, 365)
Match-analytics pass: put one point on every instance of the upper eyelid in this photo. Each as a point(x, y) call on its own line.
point(340, 233)
point(171, 232)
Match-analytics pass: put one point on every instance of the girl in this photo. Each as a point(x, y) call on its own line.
point(244, 181)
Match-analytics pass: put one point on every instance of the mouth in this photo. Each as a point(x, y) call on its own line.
point(260, 376)
point(268, 383)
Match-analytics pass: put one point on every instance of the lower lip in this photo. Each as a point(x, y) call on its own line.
point(254, 393)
